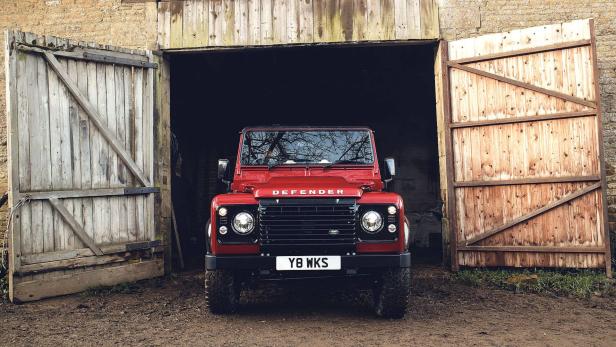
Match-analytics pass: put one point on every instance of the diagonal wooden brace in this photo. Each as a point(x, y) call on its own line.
point(524, 85)
point(95, 117)
point(533, 214)
point(77, 229)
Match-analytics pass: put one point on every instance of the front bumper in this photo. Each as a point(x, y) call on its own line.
point(359, 261)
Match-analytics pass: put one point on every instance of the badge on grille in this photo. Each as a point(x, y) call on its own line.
point(334, 231)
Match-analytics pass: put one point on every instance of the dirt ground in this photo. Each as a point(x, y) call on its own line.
point(441, 313)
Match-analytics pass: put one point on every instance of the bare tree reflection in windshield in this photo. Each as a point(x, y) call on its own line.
point(324, 147)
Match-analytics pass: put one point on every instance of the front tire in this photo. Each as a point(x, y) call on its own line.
point(222, 291)
point(391, 294)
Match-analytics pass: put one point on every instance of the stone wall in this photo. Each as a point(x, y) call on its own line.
point(467, 18)
point(112, 22)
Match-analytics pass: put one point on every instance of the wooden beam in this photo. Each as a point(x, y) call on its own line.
point(526, 119)
point(533, 214)
point(69, 264)
point(538, 180)
point(95, 117)
point(524, 85)
point(86, 252)
point(62, 283)
point(87, 193)
point(534, 249)
point(526, 51)
point(99, 56)
point(77, 228)
point(449, 159)
point(10, 55)
point(602, 168)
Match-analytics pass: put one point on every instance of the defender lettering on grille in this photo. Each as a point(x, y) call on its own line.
point(308, 192)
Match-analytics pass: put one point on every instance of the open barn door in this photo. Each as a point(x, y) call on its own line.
point(523, 141)
point(81, 164)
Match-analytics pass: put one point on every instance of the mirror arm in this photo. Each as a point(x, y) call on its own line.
point(227, 183)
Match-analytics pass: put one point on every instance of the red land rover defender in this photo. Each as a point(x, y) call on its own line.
point(307, 202)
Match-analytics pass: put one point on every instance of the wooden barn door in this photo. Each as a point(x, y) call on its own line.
point(81, 166)
point(525, 149)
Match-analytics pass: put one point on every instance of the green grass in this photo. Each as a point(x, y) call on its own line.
point(579, 284)
point(4, 289)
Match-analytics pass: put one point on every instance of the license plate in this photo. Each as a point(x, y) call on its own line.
point(308, 263)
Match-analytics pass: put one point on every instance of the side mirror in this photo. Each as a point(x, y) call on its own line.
point(390, 164)
point(223, 169)
point(223, 172)
point(390, 171)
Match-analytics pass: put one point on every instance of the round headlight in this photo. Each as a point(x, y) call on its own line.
point(243, 223)
point(392, 210)
point(372, 222)
point(222, 211)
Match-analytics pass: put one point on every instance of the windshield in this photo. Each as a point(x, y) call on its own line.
point(288, 147)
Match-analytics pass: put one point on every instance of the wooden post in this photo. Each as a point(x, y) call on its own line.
point(605, 224)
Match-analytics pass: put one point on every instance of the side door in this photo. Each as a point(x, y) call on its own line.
point(522, 138)
point(81, 166)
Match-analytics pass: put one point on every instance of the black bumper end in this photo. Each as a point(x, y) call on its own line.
point(359, 261)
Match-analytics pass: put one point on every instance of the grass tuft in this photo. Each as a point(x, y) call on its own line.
point(578, 284)
point(4, 288)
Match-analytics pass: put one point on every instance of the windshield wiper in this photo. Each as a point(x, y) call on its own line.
point(342, 162)
point(280, 163)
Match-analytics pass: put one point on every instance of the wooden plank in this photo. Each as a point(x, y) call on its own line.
point(96, 117)
point(523, 85)
point(62, 283)
point(113, 233)
point(138, 141)
point(40, 162)
point(148, 131)
point(91, 152)
point(100, 172)
point(533, 214)
point(306, 21)
point(75, 147)
point(267, 35)
point(100, 56)
point(164, 25)
point(604, 224)
point(56, 110)
point(12, 112)
point(534, 180)
point(176, 9)
point(83, 193)
point(526, 119)
point(449, 159)
point(525, 51)
point(122, 172)
point(70, 264)
point(77, 228)
point(533, 249)
point(86, 252)
point(429, 23)
point(162, 139)
point(129, 110)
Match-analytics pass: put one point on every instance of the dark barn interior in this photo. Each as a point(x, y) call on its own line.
point(388, 88)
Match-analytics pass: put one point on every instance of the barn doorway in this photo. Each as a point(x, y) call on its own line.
point(389, 88)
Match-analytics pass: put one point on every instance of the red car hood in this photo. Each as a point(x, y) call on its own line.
point(307, 187)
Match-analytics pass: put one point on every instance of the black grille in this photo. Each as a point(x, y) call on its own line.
point(307, 225)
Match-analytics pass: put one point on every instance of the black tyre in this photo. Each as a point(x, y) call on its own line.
point(222, 291)
point(391, 294)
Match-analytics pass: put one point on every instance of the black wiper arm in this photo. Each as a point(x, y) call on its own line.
point(342, 162)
